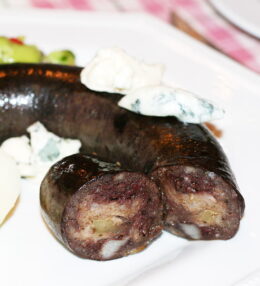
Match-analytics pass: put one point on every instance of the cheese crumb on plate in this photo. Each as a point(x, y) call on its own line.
point(35, 154)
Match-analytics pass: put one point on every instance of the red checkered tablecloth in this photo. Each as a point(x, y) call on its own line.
point(198, 14)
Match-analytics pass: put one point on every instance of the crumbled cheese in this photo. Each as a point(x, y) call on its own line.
point(112, 70)
point(36, 154)
point(10, 186)
point(160, 100)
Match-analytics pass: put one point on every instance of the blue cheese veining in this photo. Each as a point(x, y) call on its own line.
point(113, 70)
point(35, 155)
point(160, 100)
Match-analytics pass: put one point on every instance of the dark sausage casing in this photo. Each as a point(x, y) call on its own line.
point(201, 196)
point(99, 211)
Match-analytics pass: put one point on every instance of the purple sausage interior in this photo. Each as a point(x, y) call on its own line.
point(112, 217)
point(163, 148)
point(198, 203)
point(99, 211)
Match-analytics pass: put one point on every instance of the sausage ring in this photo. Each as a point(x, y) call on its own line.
point(200, 194)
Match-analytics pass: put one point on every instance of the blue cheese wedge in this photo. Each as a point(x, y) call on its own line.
point(113, 70)
point(10, 185)
point(160, 100)
point(35, 155)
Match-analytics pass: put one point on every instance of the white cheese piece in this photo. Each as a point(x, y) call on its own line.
point(49, 147)
point(10, 187)
point(112, 70)
point(160, 100)
point(35, 156)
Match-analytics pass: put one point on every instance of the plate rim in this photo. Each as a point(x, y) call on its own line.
point(238, 72)
point(237, 20)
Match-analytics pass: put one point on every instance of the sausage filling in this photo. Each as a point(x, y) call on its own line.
point(112, 217)
point(198, 203)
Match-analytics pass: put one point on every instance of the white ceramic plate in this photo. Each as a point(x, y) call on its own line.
point(29, 255)
point(243, 13)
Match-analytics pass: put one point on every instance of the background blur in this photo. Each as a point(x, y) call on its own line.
point(198, 18)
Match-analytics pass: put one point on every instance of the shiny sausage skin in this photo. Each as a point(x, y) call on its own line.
point(201, 196)
point(99, 211)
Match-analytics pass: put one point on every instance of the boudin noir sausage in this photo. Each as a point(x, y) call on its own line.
point(99, 211)
point(200, 194)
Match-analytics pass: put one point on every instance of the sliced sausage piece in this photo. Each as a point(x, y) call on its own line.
point(99, 211)
point(198, 203)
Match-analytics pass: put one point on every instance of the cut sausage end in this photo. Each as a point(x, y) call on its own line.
point(198, 204)
point(112, 216)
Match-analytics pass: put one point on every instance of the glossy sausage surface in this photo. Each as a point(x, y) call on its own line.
point(98, 210)
point(201, 197)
